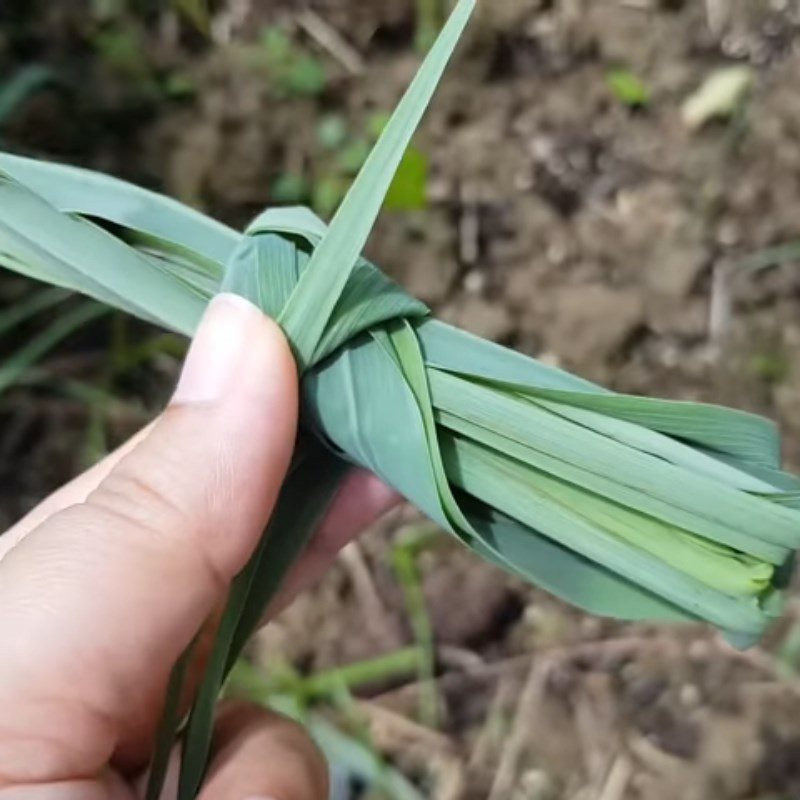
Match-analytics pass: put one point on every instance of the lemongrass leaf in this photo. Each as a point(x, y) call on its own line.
point(737, 518)
point(402, 339)
point(604, 486)
point(741, 435)
point(570, 576)
point(309, 490)
point(75, 190)
point(368, 299)
point(69, 251)
point(307, 313)
point(348, 400)
point(504, 485)
point(167, 733)
point(305, 499)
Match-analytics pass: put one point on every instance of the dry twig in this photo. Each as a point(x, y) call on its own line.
point(618, 779)
point(331, 40)
point(528, 703)
point(376, 614)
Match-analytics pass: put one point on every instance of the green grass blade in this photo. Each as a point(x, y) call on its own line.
point(291, 220)
point(395, 666)
point(309, 489)
point(771, 257)
point(525, 551)
point(71, 252)
point(21, 86)
point(319, 288)
point(265, 270)
point(197, 739)
point(167, 733)
point(349, 399)
point(729, 445)
point(407, 574)
point(74, 190)
point(369, 298)
point(403, 340)
point(601, 485)
point(201, 275)
point(304, 500)
point(720, 567)
point(16, 365)
point(502, 483)
point(746, 437)
point(735, 518)
point(23, 310)
point(339, 748)
point(736, 433)
point(453, 350)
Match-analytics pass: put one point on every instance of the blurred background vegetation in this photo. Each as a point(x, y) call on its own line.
point(613, 185)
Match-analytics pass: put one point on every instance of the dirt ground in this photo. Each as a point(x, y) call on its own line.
point(560, 220)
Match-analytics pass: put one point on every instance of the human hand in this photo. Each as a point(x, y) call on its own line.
point(105, 584)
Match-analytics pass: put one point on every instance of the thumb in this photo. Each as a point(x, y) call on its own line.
point(99, 601)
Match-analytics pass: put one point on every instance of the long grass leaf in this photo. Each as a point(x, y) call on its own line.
point(167, 733)
point(74, 190)
point(369, 298)
point(501, 483)
point(74, 253)
point(736, 518)
point(310, 487)
point(320, 286)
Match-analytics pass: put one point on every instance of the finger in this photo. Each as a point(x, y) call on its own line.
point(260, 754)
point(361, 501)
point(107, 786)
point(97, 603)
point(72, 493)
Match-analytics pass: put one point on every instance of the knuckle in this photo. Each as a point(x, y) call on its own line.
point(303, 759)
point(299, 768)
point(136, 503)
point(140, 500)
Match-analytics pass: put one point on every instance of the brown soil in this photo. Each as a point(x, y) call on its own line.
point(603, 238)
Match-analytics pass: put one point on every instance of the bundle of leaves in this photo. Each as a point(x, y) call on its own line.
point(626, 506)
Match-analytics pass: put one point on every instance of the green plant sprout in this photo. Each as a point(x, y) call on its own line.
point(340, 157)
point(352, 753)
point(628, 88)
point(292, 70)
point(404, 563)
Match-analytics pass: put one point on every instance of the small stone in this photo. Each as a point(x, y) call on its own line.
point(690, 696)
point(728, 233)
point(672, 272)
point(536, 784)
point(699, 650)
point(475, 282)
